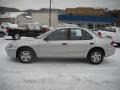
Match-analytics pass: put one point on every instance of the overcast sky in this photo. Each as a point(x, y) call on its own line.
point(37, 4)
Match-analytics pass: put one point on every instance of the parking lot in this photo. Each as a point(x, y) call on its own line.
point(58, 74)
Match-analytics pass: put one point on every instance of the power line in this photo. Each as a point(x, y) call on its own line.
point(50, 14)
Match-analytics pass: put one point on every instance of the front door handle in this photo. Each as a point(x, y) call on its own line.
point(91, 43)
point(64, 43)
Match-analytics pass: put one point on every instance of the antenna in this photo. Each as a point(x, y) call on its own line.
point(50, 14)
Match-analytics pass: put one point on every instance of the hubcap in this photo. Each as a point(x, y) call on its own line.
point(16, 36)
point(96, 57)
point(25, 56)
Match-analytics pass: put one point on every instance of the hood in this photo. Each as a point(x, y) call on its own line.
point(25, 41)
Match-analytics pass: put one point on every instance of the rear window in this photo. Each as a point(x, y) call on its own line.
point(96, 34)
point(110, 29)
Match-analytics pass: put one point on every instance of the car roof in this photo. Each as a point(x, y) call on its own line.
point(70, 27)
point(66, 27)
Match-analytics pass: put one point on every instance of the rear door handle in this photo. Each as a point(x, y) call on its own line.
point(64, 43)
point(91, 43)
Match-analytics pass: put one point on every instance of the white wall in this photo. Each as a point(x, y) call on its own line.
point(43, 18)
point(21, 19)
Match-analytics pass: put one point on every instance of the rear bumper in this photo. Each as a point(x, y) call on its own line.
point(116, 44)
point(109, 52)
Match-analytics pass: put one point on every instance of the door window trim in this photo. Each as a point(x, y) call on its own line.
point(67, 31)
point(81, 31)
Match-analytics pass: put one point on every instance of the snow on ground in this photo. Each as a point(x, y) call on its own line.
point(58, 74)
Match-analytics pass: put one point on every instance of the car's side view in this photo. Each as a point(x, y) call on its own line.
point(67, 42)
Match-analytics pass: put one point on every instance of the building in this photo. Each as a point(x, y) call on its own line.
point(9, 16)
point(32, 16)
point(83, 16)
point(23, 18)
point(115, 13)
point(85, 11)
point(87, 17)
point(90, 22)
point(43, 18)
point(15, 18)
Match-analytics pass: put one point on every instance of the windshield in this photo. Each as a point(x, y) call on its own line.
point(94, 30)
point(45, 34)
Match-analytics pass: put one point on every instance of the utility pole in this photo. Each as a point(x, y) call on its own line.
point(50, 14)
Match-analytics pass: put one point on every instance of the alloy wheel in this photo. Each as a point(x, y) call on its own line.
point(96, 57)
point(25, 56)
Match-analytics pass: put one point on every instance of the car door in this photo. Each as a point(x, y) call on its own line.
point(55, 44)
point(80, 43)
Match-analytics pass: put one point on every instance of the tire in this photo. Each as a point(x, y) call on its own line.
point(1, 34)
point(26, 55)
point(16, 36)
point(95, 56)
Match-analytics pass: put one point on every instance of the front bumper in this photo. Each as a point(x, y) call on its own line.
point(11, 52)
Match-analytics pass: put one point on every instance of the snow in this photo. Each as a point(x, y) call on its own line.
point(28, 17)
point(7, 24)
point(58, 74)
point(11, 14)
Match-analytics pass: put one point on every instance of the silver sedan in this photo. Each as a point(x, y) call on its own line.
point(66, 42)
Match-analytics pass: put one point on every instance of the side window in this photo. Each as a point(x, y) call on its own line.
point(77, 34)
point(58, 35)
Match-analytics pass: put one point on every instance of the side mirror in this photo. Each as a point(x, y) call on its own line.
point(46, 39)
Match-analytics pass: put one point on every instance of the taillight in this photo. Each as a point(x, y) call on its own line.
point(100, 34)
point(113, 44)
point(8, 30)
point(45, 29)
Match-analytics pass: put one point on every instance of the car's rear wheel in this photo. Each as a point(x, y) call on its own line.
point(26, 55)
point(95, 56)
point(16, 36)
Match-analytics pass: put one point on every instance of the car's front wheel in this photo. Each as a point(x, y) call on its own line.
point(95, 56)
point(26, 55)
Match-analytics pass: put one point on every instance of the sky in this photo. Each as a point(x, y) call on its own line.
point(61, 4)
